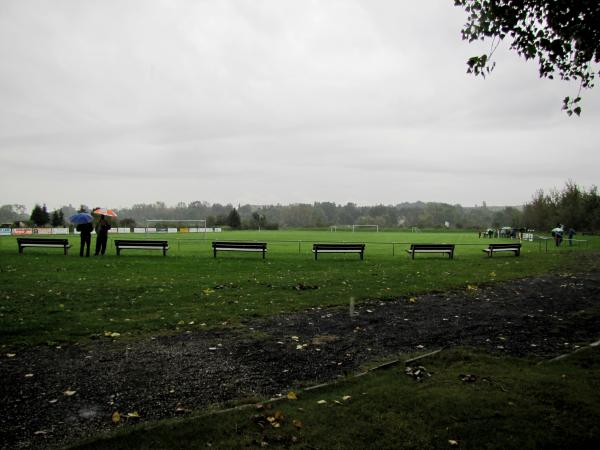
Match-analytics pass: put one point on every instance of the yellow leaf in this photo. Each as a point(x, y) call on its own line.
point(321, 402)
point(116, 417)
point(69, 392)
point(292, 396)
point(492, 274)
point(11, 355)
point(346, 398)
point(412, 300)
point(471, 287)
point(133, 414)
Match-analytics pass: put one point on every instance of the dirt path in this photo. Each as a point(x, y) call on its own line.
point(170, 376)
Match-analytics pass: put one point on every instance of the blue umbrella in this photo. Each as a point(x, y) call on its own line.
point(81, 218)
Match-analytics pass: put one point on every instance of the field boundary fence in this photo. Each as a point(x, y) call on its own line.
point(542, 242)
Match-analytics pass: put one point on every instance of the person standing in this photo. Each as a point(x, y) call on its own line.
point(570, 235)
point(102, 228)
point(85, 233)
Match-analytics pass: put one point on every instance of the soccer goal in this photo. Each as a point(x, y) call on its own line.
point(195, 225)
point(357, 227)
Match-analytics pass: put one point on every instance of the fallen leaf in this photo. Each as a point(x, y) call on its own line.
point(11, 355)
point(321, 402)
point(54, 400)
point(412, 300)
point(116, 417)
point(69, 392)
point(472, 287)
point(133, 414)
point(28, 375)
point(346, 398)
point(292, 396)
point(297, 423)
point(452, 442)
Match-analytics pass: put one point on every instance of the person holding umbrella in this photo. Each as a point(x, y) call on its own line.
point(102, 228)
point(83, 220)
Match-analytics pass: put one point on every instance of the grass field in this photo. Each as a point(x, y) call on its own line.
point(48, 298)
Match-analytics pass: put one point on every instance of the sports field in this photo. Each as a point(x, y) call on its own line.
point(49, 298)
point(93, 345)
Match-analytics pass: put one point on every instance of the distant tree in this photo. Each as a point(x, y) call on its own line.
point(82, 208)
point(57, 219)
point(233, 219)
point(563, 35)
point(12, 213)
point(39, 215)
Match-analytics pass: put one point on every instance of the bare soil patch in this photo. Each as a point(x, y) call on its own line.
point(168, 376)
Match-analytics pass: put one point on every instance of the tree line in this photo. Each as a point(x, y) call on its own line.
point(572, 206)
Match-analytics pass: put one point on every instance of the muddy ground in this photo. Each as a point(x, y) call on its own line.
point(161, 377)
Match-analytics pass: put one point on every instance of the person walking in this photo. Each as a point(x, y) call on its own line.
point(102, 228)
point(85, 233)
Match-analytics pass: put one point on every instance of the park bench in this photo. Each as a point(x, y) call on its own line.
point(514, 247)
point(43, 242)
point(239, 247)
point(339, 248)
point(431, 248)
point(121, 244)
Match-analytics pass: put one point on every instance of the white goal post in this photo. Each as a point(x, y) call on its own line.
point(357, 226)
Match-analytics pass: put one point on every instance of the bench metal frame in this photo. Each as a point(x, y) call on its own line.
point(44, 243)
point(230, 246)
point(339, 248)
point(121, 244)
point(493, 248)
point(447, 249)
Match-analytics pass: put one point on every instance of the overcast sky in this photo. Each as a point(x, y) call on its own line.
point(119, 102)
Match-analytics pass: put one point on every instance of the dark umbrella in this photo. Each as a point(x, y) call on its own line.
point(81, 218)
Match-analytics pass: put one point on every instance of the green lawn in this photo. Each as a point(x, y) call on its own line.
point(509, 404)
point(49, 298)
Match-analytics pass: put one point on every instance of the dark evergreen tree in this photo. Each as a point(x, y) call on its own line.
point(38, 216)
point(233, 219)
point(56, 220)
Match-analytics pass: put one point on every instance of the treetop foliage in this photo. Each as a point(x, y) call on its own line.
point(562, 35)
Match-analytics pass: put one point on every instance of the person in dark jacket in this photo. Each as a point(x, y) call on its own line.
point(85, 230)
point(101, 235)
